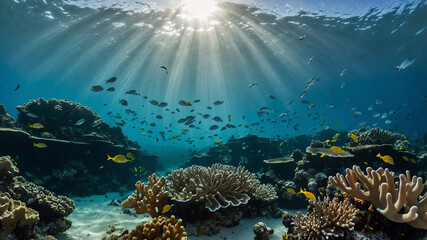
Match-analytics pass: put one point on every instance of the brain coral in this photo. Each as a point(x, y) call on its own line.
point(217, 186)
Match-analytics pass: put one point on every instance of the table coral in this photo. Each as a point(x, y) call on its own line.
point(379, 188)
point(328, 219)
point(148, 198)
point(217, 186)
point(15, 216)
point(159, 228)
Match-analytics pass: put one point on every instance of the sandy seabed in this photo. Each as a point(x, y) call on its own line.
point(92, 219)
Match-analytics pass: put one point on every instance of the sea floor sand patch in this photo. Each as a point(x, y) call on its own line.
point(93, 217)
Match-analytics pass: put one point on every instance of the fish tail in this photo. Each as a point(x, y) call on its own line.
point(109, 158)
point(34, 144)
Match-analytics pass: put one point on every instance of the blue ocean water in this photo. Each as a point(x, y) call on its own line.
point(60, 49)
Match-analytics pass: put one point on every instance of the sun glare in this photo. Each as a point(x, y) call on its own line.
point(199, 8)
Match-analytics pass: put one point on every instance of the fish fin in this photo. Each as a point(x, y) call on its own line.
point(109, 158)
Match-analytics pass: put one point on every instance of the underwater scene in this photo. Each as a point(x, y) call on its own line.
point(213, 119)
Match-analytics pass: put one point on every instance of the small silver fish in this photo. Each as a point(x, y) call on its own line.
point(311, 59)
point(343, 72)
point(406, 63)
point(80, 122)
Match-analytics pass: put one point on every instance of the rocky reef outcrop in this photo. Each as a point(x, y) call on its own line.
point(63, 146)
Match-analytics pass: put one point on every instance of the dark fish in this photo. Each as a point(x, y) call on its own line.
point(163, 67)
point(205, 116)
point(177, 109)
point(213, 127)
point(159, 117)
point(217, 119)
point(196, 101)
point(154, 102)
point(182, 120)
point(218, 102)
point(111, 89)
point(253, 84)
point(163, 104)
point(132, 92)
point(209, 108)
point(96, 88)
point(17, 87)
point(271, 96)
point(188, 118)
point(123, 102)
point(185, 103)
point(111, 80)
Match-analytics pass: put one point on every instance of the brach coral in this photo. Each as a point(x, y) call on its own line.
point(149, 198)
point(379, 188)
point(159, 228)
point(328, 219)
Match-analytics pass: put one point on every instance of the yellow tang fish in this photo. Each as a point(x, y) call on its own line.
point(322, 155)
point(354, 137)
point(130, 156)
point(40, 145)
point(291, 190)
point(166, 208)
point(218, 142)
point(405, 158)
point(118, 158)
point(307, 194)
point(336, 136)
point(386, 158)
point(36, 126)
point(336, 149)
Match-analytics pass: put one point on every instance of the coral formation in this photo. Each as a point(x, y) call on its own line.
point(327, 219)
point(6, 121)
point(379, 188)
point(51, 210)
point(328, 152)
point(7, 169)
point(377, 136)
point(148, 198)
point(73, 153)
point(17, 218)
point(217, 186)
point(262, 231)
point(265, 192)
point(159, 228)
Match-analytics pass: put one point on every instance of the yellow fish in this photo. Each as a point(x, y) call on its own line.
point(166, 208)
point(405, 141)
point(40, 145)
point(322, 155)
point(291, 190)
point(101, 167)
point(281, 144)
point(46, 133)
point(186, 130)
point(405, 158)
point(136, 169)
point(230, 151)
point(92, 200)
point(413, 160)
point(348, 99)
point(175, 136)
point(130, 156)
point(144, 134)
point(218, 142)
point(336, 149)
point(118, 158)
point(386, 158)
point(142, 128)
point(201, 138)
point(336, 136)
point(307, 194)
point(365, 163)
point(354, 137)
point(36, 126)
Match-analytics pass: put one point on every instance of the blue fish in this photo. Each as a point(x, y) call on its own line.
point(408, 62)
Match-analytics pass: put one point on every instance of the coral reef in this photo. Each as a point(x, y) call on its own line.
point(16, 218)
point(148, 198)
point(217, 186)
point(72, 155)
point(387, 196)
point(262, 231)
point(377, 136)
point(327, 219)
point(51, 210)
point(6, 121)
point(159, 228)
point(7, 169)
point(328, 152)
point(265, 192)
